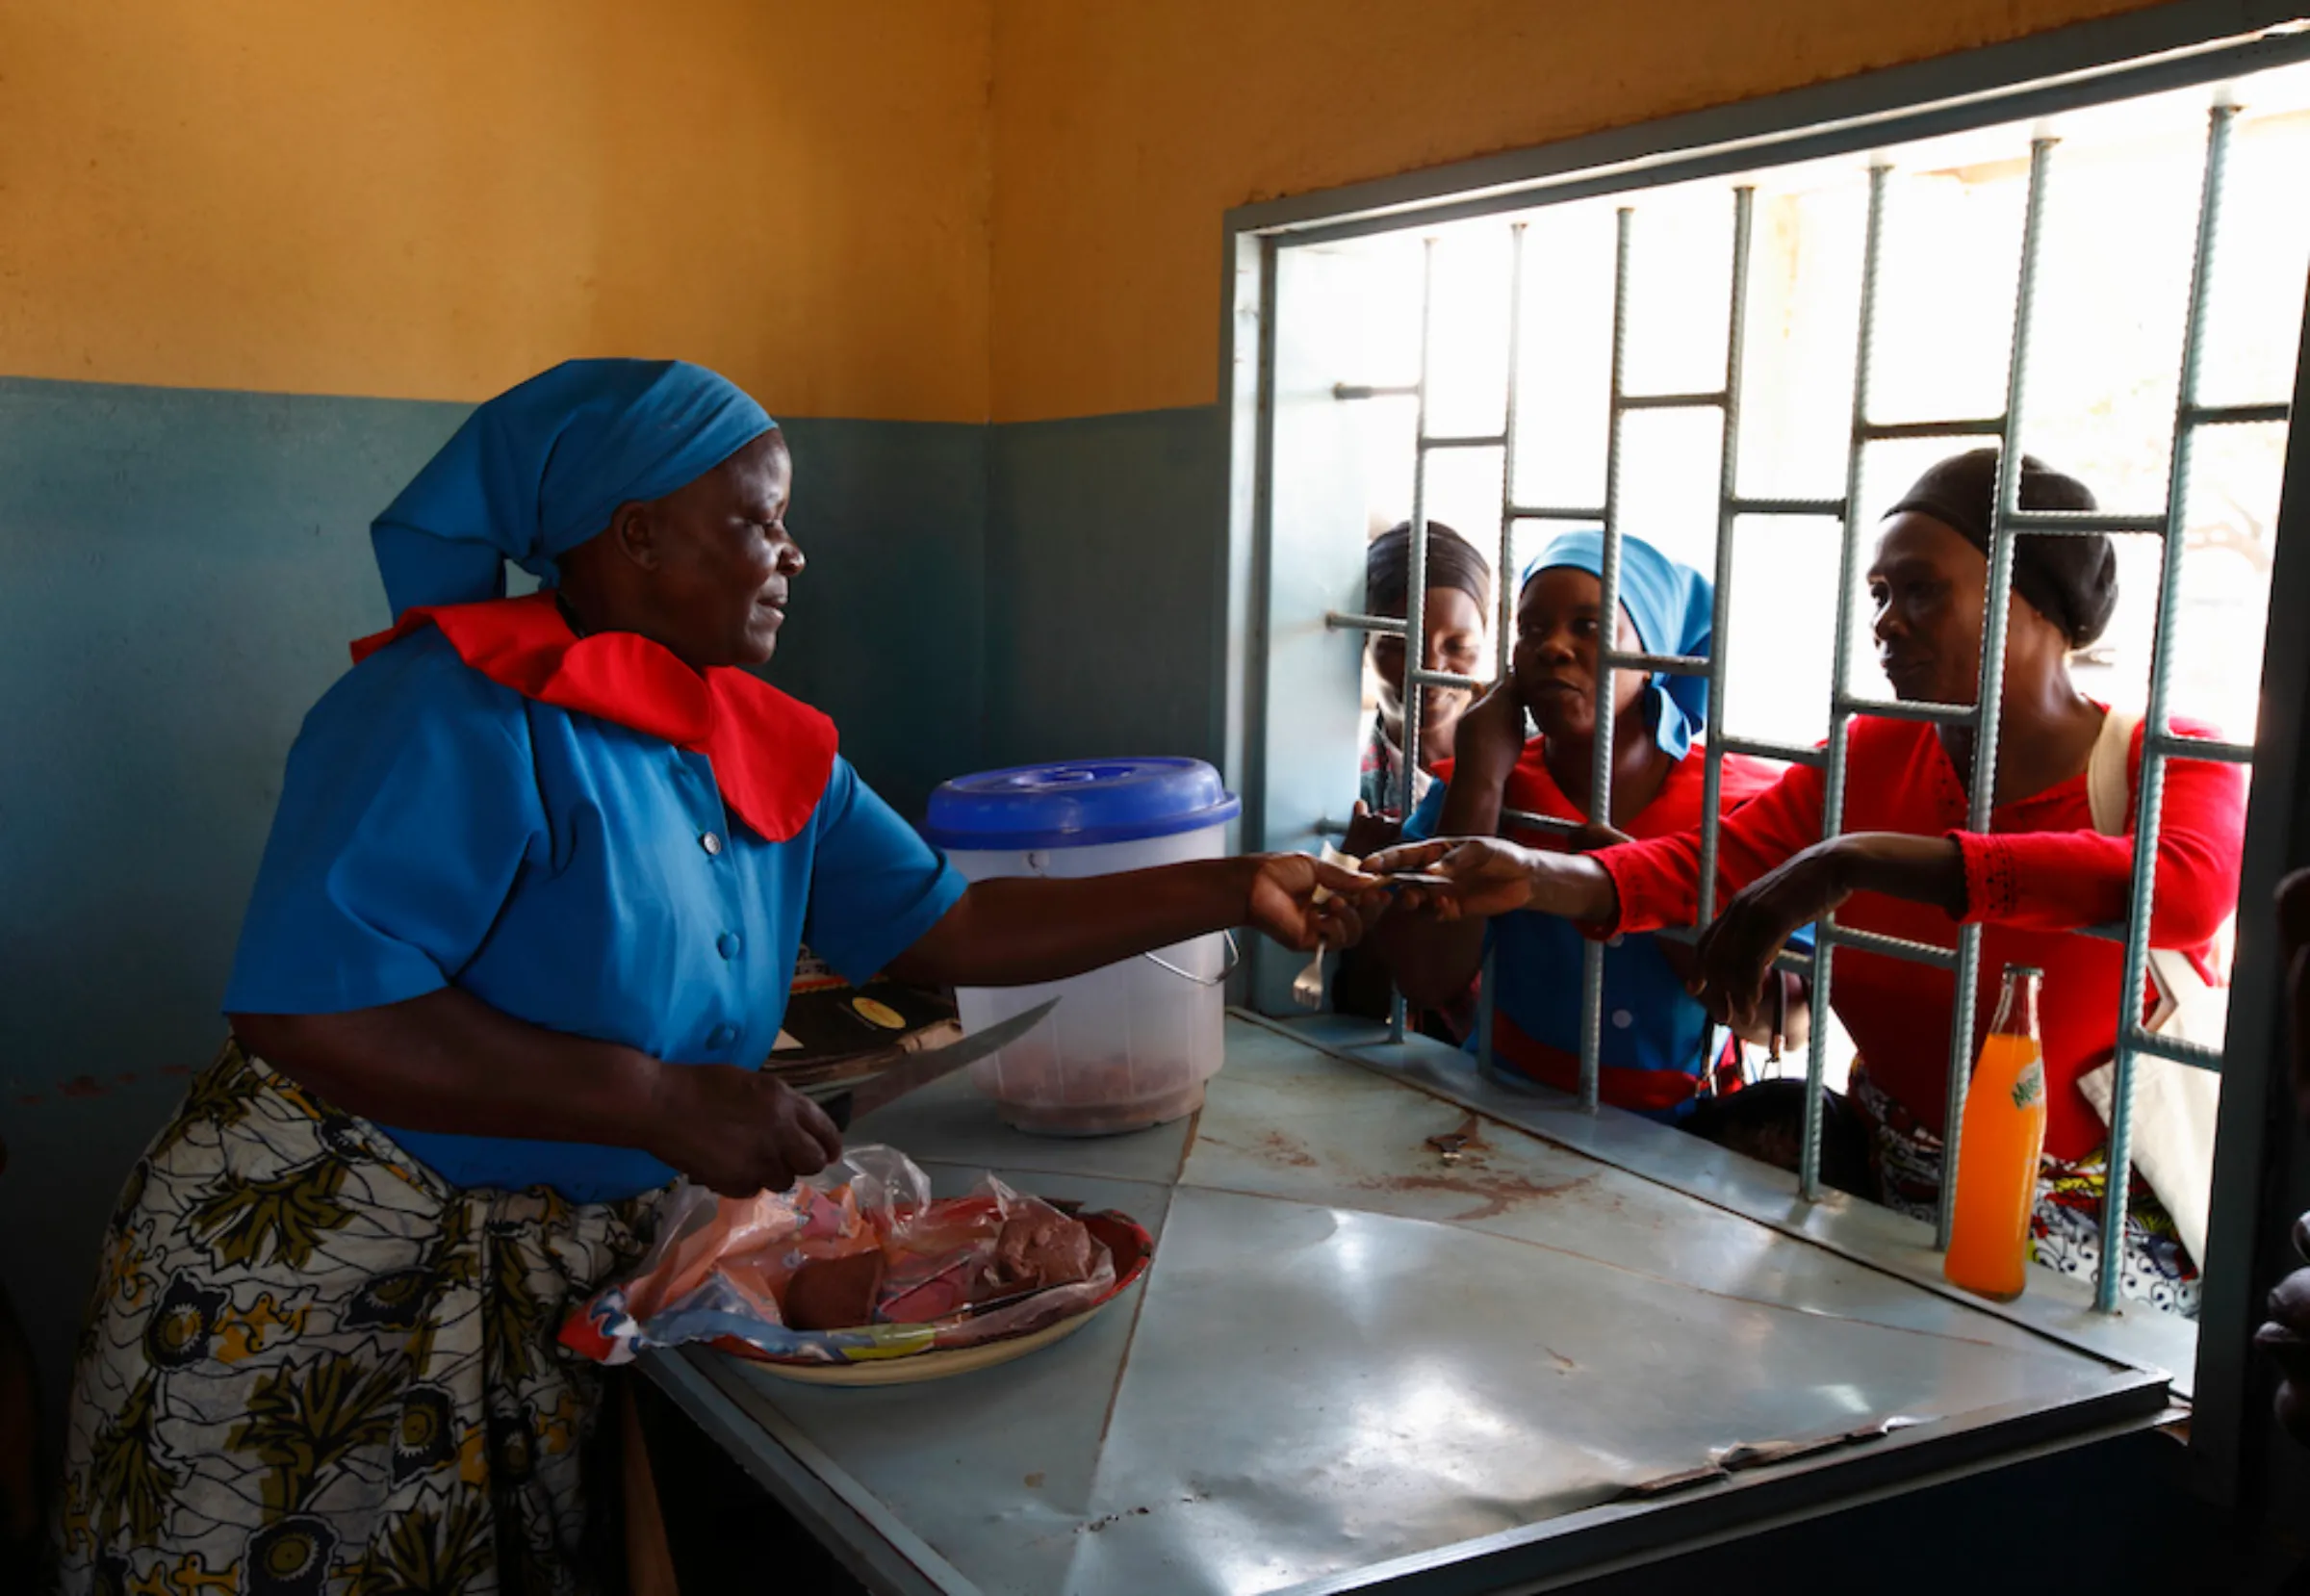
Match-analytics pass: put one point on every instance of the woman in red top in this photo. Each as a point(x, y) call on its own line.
point(1907, 866)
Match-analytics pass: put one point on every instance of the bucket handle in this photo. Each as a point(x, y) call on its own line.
point(1037, 859)
point(1234, 958)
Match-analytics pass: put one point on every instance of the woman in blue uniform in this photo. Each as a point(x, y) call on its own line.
point(522, 935)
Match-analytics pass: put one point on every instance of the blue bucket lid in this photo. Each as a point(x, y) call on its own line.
point(1078, 805)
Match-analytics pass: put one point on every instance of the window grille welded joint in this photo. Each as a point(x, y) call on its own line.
point(1758, 749)
point(1387, 626)
point(1855, 939)
point(1884, 432)
point(1444, 679)
point(1555, 824)
point(1666, 664)
point(1556, 512)
point(2237, 414)
point(1832, 508)
point(1672, 401)
point(1904, 709)
point(2083, 523)
point(2205, 750)
point(2177, 1048)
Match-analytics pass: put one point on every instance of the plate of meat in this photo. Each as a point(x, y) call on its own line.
point(859, 1277)
point(1127, 1245)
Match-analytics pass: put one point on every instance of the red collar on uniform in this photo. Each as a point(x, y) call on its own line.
point(772, 755)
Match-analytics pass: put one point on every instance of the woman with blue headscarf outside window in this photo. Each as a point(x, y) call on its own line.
point(522, 933)
point(1656, 1039)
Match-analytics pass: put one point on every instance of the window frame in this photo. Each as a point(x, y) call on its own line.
point(2263, 1174)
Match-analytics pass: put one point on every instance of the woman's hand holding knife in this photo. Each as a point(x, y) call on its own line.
point(737, 1131)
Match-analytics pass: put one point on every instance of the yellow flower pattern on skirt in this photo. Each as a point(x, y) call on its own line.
point(312, 1368)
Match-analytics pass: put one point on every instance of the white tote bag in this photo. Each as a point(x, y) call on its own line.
point(2175, 1105)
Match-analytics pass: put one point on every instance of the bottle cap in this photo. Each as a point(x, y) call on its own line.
point(2012, 970)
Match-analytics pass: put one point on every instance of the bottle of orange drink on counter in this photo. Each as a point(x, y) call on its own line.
point(1997, 1155)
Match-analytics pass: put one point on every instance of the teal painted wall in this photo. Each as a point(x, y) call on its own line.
point(888, 633)
point(1105, 593)
point(180, 572)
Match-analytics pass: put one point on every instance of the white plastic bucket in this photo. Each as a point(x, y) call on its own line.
point(1132, 1044)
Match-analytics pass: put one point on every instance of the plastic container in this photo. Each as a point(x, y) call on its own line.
point(1133, 1043)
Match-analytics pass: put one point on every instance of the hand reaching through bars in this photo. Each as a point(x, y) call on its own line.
point(1471, 878)
point(1735, 953)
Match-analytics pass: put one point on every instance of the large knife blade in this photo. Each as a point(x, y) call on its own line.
point(912, 1070)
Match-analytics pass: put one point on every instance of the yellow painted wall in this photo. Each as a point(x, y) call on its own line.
point(935, 210)
point(1123, 133)
point(431, 198)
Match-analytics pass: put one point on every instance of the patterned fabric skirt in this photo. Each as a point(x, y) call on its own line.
point(2064, 1230)
point(311, 1368)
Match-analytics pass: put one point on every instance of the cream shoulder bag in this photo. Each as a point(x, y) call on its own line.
point(2175, 1105)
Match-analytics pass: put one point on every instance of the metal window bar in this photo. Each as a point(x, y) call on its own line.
point(2157, 745)
point(1506, 596)
point(1600, 776)
point(1414, 587)
point(2159, 742)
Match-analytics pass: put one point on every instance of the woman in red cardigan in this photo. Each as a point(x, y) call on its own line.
point(1907, 866)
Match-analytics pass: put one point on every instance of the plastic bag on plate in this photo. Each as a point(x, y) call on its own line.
point(924, 1273)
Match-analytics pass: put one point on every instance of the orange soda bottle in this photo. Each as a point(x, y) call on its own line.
point(2004, 1135)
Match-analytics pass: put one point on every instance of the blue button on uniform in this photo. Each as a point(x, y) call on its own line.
point(729, 943)
point(418, 792)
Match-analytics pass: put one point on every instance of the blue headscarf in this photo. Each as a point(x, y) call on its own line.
point(1672, 607)
point(541, 468)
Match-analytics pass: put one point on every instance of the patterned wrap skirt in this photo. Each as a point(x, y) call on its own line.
point(312, 1368)
point(2065, 1228)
